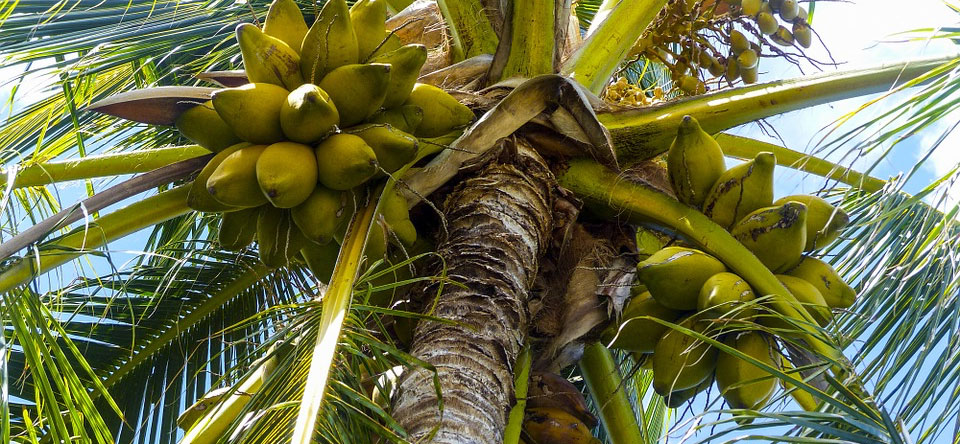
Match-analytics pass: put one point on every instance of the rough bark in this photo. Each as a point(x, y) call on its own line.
point(499, 222)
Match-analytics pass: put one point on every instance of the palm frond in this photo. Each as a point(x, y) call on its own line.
point(902, 331)
point(162, 331)
point(81, 51)
point(901, 253)
point(932, 97)
point(50, 382)
point(586, 10)
point(367, 355)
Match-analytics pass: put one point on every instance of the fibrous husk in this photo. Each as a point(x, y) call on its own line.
point(422, 22)
point(594, 280)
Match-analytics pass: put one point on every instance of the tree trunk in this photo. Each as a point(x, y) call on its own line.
point(499, 224)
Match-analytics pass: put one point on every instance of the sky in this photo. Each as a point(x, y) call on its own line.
point(855, 34)
point(851, 30)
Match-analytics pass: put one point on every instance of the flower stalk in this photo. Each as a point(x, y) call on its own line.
point(602, 376)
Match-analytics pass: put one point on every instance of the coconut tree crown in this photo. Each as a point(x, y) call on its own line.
point(413, 222)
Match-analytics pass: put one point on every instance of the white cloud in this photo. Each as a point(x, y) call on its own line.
point(36, 84)
point(853, 32)
point(852, 29)
point(944, 158)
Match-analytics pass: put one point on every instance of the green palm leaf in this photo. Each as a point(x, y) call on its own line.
point(161, 329)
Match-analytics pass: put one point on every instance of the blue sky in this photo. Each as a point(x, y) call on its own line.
point(851, 31)
point(854, 34)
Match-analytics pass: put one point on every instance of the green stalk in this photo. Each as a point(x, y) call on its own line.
point(97, 202)
point(598, 185)
point(127, 220)
point(532, 41)
point(521, 384)
point(601, 15)
point(173, 332)
point(747, 148)
point(594, 62)
point(643, 133)
point(470, 29)
point(396, 6)
point(141, 161)
point(602, 377)
point(336, 303)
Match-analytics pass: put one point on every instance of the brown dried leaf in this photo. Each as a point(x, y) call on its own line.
point(578, 309)
point(458, 75)
point(157, 106)
point(651, 173)
point(520, 106)
point(228, 79)
point(572, 38)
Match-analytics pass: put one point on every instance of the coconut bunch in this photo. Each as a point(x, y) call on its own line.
point(323, 112)
point(688, 287)
point(700, 41)
point(622, 92)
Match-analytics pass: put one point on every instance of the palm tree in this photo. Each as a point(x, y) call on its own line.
point(523, 217)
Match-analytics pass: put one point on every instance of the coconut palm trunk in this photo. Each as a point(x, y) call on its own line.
point(499, 223)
